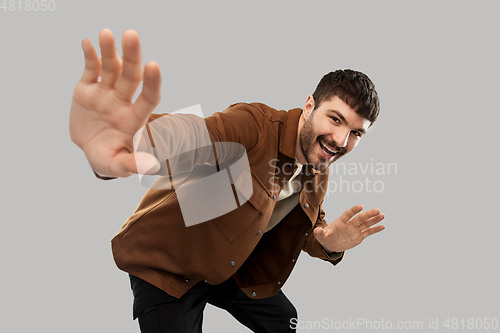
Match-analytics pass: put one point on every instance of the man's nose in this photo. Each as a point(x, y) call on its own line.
point(341, 137)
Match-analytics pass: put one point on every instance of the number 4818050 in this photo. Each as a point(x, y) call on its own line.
point(28, 5)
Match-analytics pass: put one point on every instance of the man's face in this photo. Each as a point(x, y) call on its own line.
point(329, 132)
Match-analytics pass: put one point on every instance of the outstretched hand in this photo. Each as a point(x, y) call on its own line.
point(349, 230)
point(103, 118)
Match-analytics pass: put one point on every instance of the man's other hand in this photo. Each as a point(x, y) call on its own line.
point(349, 230)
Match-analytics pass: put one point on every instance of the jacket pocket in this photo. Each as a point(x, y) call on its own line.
point(234, 223)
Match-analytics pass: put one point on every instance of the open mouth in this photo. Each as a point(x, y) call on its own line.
point(327, 150)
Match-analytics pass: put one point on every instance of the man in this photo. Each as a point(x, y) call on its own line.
point(237, 261)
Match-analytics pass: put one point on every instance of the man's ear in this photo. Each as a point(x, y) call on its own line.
point(309, 106)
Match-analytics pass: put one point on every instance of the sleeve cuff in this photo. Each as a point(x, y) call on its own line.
point(334, 256)
point(102, 177)
point(318, 251)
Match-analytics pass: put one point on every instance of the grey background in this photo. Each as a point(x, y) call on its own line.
point(435, 66)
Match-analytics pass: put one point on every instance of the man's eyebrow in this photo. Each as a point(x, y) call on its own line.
point(361, 130)
point(338, 115)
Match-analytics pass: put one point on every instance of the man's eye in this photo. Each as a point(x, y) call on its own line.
point(356, 133)
point(335, 119)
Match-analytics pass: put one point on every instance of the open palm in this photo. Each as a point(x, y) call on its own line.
point(349, 230)
point(103, 117)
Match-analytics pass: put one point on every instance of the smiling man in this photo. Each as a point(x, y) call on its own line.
point(332, 128)
point(240, 260)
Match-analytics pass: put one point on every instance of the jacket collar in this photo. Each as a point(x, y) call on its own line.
point(289, 133)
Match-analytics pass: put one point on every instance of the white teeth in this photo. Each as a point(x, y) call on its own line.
point(324, 145)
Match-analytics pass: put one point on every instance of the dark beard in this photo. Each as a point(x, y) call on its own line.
point(306, 134)
point(307, 140)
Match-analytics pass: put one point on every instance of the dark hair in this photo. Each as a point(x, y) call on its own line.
point(354, 88)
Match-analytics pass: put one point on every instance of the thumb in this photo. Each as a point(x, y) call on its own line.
point(139, 163)
point(145, 164)
point(319, 233)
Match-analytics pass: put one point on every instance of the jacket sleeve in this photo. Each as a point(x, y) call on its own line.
point(314, 248)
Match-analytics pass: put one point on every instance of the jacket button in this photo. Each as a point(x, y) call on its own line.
point(206, 281)
point(279, 283)
point(274, 197)
point(306, 205)
point(187, 280)
point(293, 260)
point(307, 234)
point(254, 293)
point(233, 263)
point(259, 232)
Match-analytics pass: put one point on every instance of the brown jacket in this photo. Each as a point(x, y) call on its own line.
point(155, 245)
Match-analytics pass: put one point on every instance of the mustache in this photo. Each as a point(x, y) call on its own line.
point(333, 144)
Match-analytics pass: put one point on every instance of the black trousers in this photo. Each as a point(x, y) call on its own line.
point(158, 312)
